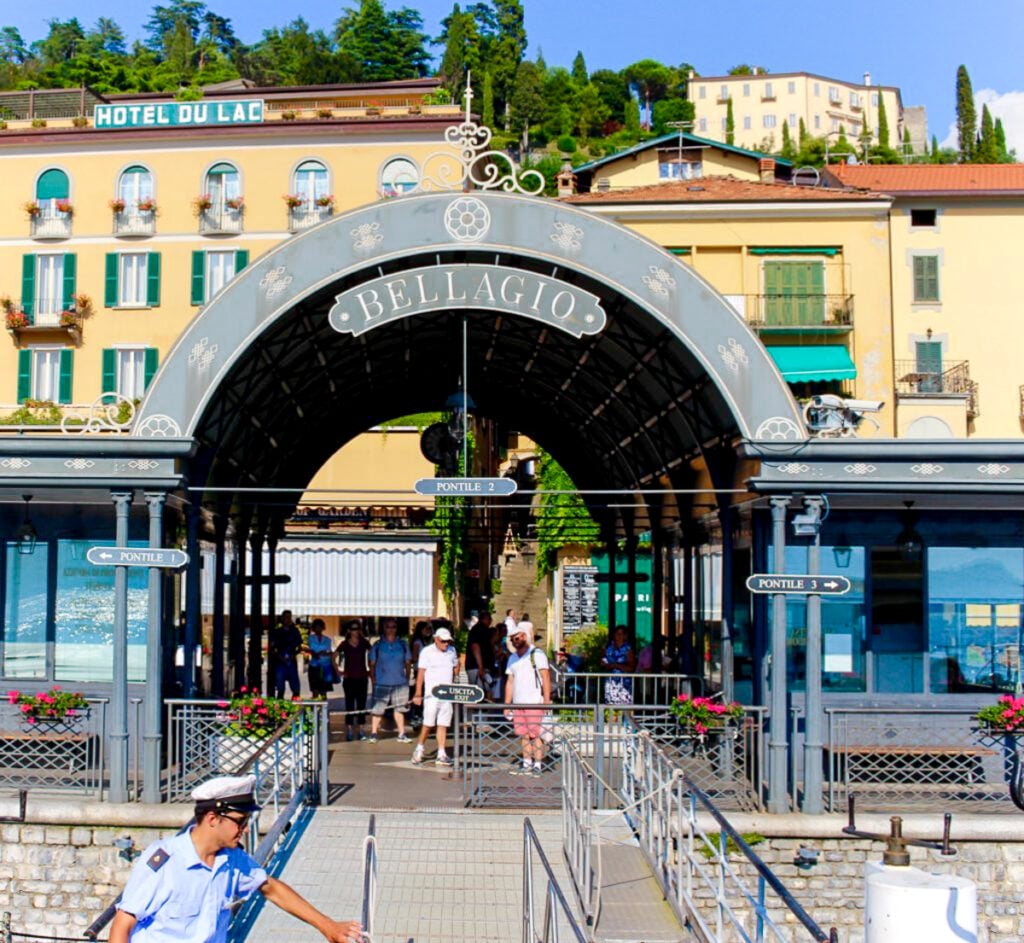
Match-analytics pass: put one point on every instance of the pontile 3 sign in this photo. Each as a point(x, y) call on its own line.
point(179, 114)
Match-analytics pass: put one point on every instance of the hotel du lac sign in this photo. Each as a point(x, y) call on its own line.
point(179, 114)
point(470, 286)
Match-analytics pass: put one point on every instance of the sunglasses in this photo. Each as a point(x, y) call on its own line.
point(238, 823)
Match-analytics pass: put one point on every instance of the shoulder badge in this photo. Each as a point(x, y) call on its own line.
point(158, 859)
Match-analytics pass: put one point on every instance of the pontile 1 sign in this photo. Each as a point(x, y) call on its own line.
point(179, 114)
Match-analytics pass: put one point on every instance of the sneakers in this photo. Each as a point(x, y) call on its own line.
point(522, 769)
point(538, 769)
point(404, 738)
point(372, 738)
point(444, 760)
point(417, 756)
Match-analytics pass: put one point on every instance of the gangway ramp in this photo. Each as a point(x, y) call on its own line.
point(444, 876)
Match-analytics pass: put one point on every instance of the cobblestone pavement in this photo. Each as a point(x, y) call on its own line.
point(445, 875)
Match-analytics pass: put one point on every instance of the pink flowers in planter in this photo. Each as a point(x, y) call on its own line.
point(1005, 716)
point(704, 714)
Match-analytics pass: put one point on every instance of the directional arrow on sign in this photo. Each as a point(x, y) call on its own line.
point(798, 584)
point(162, 557)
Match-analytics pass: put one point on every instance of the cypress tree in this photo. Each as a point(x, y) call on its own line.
point(1003, 155)
point(908, 148)
point(966, 116)
point(802, 134)
point(579, 70)
point(788, 151)
point(883, 122)
point(730, 123)
point(632, 118)
point(935, 149)
point(987, 152)
point(487, 111)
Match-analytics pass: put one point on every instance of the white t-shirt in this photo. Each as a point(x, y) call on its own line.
point(526, 681)
point(439, 666)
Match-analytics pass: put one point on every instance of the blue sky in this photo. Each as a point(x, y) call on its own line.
point(915, 46)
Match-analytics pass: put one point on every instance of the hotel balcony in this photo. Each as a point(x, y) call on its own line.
point(215, 221)
point(795, 313)
point(950, 380)
point(134, 223)
point(302, 217)
point(52, 225)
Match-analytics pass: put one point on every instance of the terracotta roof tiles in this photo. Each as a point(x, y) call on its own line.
point(720, 189)
point(932, 178)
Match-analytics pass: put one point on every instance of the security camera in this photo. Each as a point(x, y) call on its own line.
point(864, 405)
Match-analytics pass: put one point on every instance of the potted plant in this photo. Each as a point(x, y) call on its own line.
point(69, 319)
point(325, 200)
point(117, 205)
point(146, 205)
point(236, 203)
point(32, 209)
point(49, 707)
point(293, 200)
point(65, 207)
point(15, 320)
point(250, 719)
point(202, 203)
point(324, 113)
point(80, 121)
point(83, 305)
point(701, 717)
point(289, 115)
point(1006, 716)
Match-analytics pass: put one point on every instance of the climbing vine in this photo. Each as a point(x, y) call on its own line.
point(562, 519)
point(450, 525)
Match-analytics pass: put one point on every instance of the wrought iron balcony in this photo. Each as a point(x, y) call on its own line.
point(134, 223)
point(808, 312)
point(302, 217)
point(951, 379)
point(226, 220)
point(51, 225)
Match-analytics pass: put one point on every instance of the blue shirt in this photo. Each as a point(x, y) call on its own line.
point(174, 896)
point(390, 659)
point(320, 650)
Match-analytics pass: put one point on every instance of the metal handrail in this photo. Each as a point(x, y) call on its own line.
point(554, 899)
point(561, 678)
point(285, 729)
point(370, 863)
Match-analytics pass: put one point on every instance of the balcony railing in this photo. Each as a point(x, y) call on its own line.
point(302, 217)
point(134, 223)
point(224, 220)
point(950, 379)
point(51, 225)
point(799, 312)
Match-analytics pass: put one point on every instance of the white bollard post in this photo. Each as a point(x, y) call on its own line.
point(904, 903)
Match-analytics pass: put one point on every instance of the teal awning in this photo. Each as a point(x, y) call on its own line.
point(794, 250)
point(52, 185)
point(821, 362)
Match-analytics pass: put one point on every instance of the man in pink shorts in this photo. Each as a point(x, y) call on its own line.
point(528, 692)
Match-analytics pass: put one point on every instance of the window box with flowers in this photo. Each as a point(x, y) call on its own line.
point(146, 205)
point(325, 201)
point(236, 203)
point(32, 209)
point(704, 719)
point(15, 319)
point(65, 207)
point(202, 203)
point(49, 709)
point(293, 200)
point(117, 205)
point(1001, 726)
point(250, 721)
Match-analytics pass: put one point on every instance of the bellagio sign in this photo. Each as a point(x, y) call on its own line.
point(467, 287)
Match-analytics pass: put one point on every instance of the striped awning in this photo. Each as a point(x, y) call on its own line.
point(348, 578)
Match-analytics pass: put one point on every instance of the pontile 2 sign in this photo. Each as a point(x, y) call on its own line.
point(179, 114)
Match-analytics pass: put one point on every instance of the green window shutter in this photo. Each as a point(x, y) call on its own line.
point(67, 358)
point(109, 370)
point(152, 361)
point(241, 259)
point(929, 366)
point(198, 277)
point(24, 375)
point(52, 185)
point(110, 286)
point(68, 295)
point(28, 285)
point(153, 279)
point(926, 278)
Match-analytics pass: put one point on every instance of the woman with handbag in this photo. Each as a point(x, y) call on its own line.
point(322, 677)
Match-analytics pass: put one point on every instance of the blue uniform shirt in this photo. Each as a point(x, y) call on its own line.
point(174, 896)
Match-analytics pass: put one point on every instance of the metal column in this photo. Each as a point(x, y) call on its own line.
point(220, 532)
point(254, 675)
point(236, 640)
point(119, 689)
point(193, 575)
point(728, 679)
point(659, 604)
point(271, 592)
point(153, 696)
point(686, 659)
point(631, 543)
point(812, 798)
point(778, 748)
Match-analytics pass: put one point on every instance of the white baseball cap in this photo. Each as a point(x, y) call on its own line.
point(443, 634)
point(523, 628)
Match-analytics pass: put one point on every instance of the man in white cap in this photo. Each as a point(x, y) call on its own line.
point(438, 664)
point(184, 889)
point(529, 684)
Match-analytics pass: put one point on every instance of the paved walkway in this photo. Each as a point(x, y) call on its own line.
point(445, 876)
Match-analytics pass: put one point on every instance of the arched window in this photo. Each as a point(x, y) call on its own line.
point(310, 181)
point(134, 186)
point(398, 176)
point(222, 184)
point(52, 187)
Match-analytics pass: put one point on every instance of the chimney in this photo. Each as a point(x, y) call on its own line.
point(867, 78)
point(691, 74)
point(755, 70)
point(766, 170)
point(566, 181)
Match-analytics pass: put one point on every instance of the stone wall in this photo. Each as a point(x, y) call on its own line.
point(832, 891)
point(56, 879)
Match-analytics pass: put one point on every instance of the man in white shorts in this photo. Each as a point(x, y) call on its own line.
point(438, 664)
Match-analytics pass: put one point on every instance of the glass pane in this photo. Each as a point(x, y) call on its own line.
point(974, 617)
point(84, 639)
point(25, 613)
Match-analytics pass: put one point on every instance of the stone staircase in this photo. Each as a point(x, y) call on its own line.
point(519, 589)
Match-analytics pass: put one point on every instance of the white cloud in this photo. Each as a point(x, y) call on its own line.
point(1009, 107)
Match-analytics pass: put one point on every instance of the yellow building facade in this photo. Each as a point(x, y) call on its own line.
point(763, 102)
